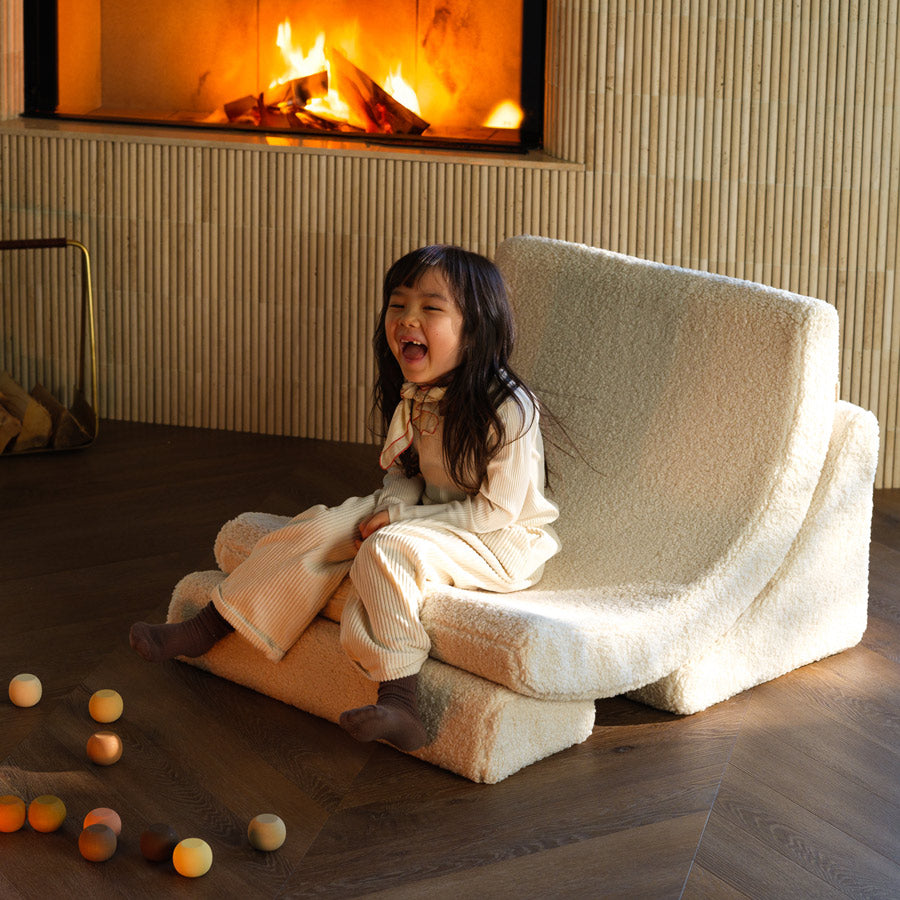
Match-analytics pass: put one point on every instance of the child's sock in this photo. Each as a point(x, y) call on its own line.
point(193, 637)
point(394, 718)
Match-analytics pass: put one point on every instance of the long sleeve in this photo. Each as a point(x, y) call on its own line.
point(397, 489)
point(512, 492)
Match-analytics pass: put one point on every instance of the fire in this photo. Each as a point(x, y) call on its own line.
point(332, 105)
point(301, 64)
point(401, 90)
point(507, 114)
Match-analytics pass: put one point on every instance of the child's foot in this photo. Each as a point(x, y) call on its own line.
point(394, 718)
point(193, 637)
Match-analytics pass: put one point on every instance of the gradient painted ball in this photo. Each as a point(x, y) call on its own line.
point(97, 842)
point(104, 748)
point(12, 813)
point(158, 842)
point(25, 689)
point(102, 815)
point(266, 832)
point(105, 705)
point(46, 813)
point(192, 857)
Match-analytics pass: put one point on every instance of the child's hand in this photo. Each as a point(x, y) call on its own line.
point(372, 524)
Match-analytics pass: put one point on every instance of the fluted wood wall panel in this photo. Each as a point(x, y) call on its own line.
point(237, 285)
point(237, 288)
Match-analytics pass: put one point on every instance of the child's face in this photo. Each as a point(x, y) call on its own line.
point(424, 328)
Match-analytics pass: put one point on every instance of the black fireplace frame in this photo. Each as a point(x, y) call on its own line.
point(42, 90)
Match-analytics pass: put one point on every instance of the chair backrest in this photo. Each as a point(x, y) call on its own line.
point(701, 405)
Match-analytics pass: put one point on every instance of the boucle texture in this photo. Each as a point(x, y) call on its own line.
point(477, 729)
point(715, 515)
point(703, 408)
point(816, 604)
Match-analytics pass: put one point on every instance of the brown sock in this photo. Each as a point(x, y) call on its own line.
point(193, 637)
point(394, 718)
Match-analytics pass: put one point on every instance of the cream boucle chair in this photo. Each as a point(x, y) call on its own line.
point(715, 524)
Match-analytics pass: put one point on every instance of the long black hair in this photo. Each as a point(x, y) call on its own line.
point(473, 430)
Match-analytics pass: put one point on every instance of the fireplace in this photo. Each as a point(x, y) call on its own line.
point(430, 73)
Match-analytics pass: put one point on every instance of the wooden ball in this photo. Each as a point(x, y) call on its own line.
point(104, 748)
point(97, 842)
point(266, 832)
point(192, 857)
point(25, 689)
point(158, 842)
point(104, 816)
point(12, 813)
point(105, 705)
point(46, 813)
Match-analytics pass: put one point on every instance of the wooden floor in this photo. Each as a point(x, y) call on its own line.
point(790, 790)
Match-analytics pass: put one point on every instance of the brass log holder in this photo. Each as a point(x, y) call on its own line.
point(84, 406)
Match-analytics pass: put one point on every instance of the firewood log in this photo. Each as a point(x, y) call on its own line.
point(36, 423)
point(374, 105)
point(67, 430)
point(10, 426)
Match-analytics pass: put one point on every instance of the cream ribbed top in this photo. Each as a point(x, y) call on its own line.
point(512, 492)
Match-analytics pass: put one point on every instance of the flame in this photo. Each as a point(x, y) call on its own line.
point(332, 106)
point(301, 64)
point(401, 90)
point(507, 114)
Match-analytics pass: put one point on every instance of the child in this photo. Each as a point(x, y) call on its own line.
point(462, 501)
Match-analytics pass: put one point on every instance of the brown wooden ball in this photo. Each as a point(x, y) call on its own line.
point(158, 842)
point(97, 842)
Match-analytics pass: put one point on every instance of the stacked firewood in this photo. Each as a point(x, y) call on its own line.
point(284, 105)
point(37, 420)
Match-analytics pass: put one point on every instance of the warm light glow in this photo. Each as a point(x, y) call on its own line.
point(332, 106)
point(301, 64)
point(507, 114)
point(401, 90)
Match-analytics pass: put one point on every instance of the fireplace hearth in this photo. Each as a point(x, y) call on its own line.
point(431, 73)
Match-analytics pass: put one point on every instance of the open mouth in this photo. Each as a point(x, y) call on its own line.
point(413, 351)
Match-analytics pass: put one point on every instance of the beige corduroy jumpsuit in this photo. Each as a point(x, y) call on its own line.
point(495, 540)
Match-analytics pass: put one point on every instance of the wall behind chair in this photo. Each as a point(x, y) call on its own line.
point(237, 284)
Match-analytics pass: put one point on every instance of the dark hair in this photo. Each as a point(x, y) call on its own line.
point(473, 429)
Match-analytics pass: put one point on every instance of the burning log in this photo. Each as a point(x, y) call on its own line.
point(374, 105)
point(284, 106)
point(297, 92)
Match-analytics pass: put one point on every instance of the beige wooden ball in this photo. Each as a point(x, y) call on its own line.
point(266, 832)
point(25, 689)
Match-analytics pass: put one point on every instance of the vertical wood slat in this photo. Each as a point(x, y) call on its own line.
point(237, 285)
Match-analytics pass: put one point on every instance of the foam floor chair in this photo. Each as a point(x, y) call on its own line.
point(716, 503)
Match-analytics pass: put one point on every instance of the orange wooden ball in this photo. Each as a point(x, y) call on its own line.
point(105, 705)
point(104, 748)
point(102, 815)
point(12, 813)
point(192, 857)
point(97, 842)
point(46, 813)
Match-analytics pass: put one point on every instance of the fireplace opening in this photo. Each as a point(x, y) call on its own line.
point(432, 73)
